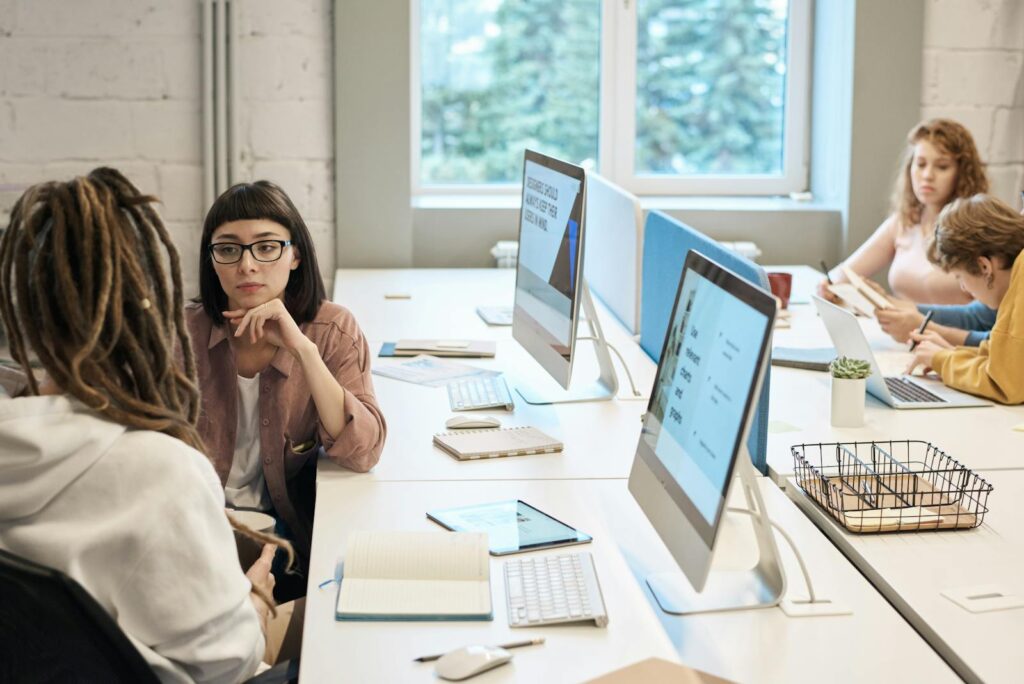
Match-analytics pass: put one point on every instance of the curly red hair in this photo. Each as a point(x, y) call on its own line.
point(956, 141)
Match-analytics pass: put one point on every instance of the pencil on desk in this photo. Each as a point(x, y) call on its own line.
point(514, 644)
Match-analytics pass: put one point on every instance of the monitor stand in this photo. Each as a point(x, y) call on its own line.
point(606, 386)
point(759, 587)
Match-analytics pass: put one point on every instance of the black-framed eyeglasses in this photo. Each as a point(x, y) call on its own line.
point(262, 250)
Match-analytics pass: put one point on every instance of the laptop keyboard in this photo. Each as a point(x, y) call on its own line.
point(905, 390)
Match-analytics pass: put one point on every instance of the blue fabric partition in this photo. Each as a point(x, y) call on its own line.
point(666, 242)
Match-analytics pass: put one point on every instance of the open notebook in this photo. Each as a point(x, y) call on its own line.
point(416, 576)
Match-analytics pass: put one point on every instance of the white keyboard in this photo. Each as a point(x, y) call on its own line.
point(479, 393)
point(547, 590)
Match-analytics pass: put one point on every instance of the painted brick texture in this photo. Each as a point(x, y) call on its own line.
point(974, 73)
point(118, 83)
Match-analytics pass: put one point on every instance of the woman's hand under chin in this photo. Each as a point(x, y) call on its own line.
point(271, 322)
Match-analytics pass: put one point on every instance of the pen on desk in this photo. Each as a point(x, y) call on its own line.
point(514, 644)
point(824, 268)
point(924, 324)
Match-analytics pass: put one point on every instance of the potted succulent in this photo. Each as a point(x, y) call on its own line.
point(849, 380)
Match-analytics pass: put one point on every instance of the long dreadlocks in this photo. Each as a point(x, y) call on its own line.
point(84, 285)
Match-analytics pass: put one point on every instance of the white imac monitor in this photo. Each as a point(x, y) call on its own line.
point(615, 248)
point(551, 294)
point(693, 440)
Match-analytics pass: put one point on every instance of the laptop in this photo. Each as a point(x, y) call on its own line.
point(900, 392)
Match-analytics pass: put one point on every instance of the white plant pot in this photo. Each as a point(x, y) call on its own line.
point(848, 402)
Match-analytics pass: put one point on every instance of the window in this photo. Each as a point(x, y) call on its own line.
point(660, 96)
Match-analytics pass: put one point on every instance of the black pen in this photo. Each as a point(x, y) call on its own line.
point(824, 268)
point(924, 324)
point(515, 644)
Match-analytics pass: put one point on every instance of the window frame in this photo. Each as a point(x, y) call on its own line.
point(617, 116)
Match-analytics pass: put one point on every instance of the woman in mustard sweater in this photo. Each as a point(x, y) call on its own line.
point(979, 240)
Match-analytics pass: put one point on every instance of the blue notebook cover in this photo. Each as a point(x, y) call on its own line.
point(666, 242)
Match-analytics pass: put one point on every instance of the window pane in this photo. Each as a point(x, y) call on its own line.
point(711, 79)
point(498, 76)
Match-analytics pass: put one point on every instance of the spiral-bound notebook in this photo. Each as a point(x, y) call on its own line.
point(491, 443)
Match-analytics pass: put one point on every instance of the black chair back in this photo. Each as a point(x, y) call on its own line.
point(52, 630)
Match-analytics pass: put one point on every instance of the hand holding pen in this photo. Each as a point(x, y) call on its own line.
point(824, 290)
point(920, 331)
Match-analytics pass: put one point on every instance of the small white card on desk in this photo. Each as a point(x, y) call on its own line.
point(984, 598)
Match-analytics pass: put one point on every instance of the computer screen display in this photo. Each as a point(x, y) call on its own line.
point(704, 389)
point(550, 242)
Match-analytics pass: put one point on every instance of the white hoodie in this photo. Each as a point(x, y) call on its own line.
point(137, 518)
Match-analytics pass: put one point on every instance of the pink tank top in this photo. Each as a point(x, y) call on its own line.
point(913, 277)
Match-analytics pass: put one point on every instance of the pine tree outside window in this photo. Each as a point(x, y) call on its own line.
point(660, 96)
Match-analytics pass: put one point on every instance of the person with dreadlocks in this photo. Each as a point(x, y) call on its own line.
point(102, 471)
point(284, 374)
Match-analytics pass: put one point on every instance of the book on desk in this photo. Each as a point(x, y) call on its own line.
point(497, 442)
point(471, 349)
point(392, 575)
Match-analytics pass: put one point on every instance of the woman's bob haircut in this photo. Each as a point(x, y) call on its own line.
point(265, 201)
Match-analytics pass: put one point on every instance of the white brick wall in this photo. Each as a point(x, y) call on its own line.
point(974, 73)
point(286, 109)
point(118, 82)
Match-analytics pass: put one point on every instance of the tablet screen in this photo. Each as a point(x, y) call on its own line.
point(511, 526)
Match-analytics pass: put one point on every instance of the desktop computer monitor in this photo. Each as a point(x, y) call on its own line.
point(615, 239)
point(550, 251)
point(693, 438)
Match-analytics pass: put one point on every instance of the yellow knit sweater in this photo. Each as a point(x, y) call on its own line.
point(996, 368)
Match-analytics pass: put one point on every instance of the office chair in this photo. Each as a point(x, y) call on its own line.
point(54, 631)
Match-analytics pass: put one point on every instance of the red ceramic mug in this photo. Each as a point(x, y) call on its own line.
point(781, 285)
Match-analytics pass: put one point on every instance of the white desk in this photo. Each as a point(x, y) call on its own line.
point(981, 438)
point(874, 644)
point(912, 570)
point(383, 652)
point(600, 437)
point(441, 302)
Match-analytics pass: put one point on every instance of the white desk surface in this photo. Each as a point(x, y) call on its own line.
point(981, 438)
point(441, 302)
point(799, 411)
point(600, 437)
point(874, 644)
point(912, 570)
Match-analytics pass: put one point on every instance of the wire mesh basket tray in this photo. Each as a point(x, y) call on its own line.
point(895, 486)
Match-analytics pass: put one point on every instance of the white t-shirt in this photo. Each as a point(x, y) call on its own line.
point(246, 486)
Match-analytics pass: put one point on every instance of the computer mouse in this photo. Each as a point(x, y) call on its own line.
point(463, 663)
point(460, 422)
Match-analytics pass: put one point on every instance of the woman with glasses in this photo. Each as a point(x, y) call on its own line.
point(284, 374)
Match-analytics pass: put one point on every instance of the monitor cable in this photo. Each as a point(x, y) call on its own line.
point(622, 362)
point(789, 540)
